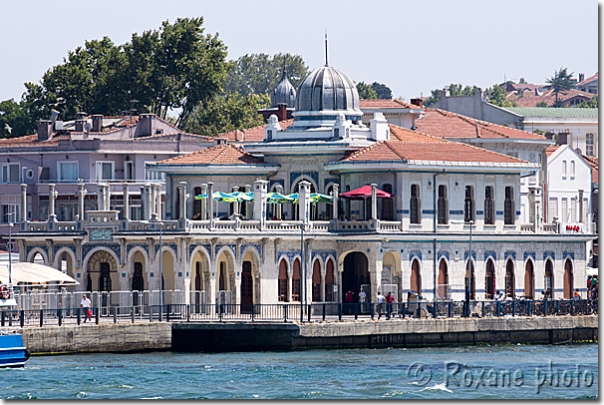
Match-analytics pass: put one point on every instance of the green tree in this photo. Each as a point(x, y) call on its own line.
point(455, 90)
point(541, 104)
point(383, 91)
point(593, 103)
point(14, 120)
point(497, 97)
point(260, 73)
point(560, 82)
point(226, 113)
point(366, 92)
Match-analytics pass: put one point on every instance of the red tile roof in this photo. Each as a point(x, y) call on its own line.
point(551, 149)
point(588, 80)
point(255, 134)
point(411, 145)
point(32, 140)
point(445, 124)
point(388, 103)
point(548, 97)
point(593, 162)
point(216, 155)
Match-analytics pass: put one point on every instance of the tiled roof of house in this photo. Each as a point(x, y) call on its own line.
point(548, 97)
point(255, 134)
point(388, 103)
point(551, 149)
point(32, 140)
point(554, 112)
point(216, 155)
point(445, 124)
point(588, 80)
point(593, 162)
point(411, 145)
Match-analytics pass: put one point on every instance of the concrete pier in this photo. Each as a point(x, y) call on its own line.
point(236, 336)
point(253, 336)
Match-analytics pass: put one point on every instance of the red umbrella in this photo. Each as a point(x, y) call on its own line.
point(365, 192)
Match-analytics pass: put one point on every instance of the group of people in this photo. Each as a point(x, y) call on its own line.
point(388, 299)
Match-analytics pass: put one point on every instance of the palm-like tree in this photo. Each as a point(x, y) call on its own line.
point(560, 82)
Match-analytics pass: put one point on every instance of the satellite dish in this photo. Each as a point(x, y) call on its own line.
point(87, 127)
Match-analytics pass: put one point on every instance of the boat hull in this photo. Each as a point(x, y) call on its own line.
point(12, 351)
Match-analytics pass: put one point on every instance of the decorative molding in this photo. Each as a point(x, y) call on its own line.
point(511, 254)
point(88, 247)
point(415, 254)
point(100, 234)
point(568, 254)
point(294, 175)
point(529, 254)
point(323, 254)
point(549, 254)
point(441, 254)
point(490, 253)
point(465, 255)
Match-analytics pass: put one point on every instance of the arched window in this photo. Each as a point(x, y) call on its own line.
point(589, 144)
point(414, 205)
point(296, 284)
point(443, 280)
point(572, 168)
point(283, 281)
point(568, 279)
point(509, 279)
point(329, 281)
point(416, 277)
point(443, 205)
point(316, 281)
point(508, 207)
point(489, 280)
point(549, 279)
point(489, 206)
point(469, 204)
point(564, 169)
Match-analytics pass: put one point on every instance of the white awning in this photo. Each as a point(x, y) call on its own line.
point(592, 271)
point(34, 273)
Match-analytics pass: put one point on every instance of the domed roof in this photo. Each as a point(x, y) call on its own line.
point(284, 93)
point(327, 89)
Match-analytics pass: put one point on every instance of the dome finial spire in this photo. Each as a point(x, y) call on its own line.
point(326, 64)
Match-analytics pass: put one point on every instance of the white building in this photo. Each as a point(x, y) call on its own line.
point(446, 196)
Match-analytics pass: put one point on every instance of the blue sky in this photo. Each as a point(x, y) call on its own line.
point(411, 46)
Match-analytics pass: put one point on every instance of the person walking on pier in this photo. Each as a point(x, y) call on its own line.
point(85, 304)
point(389, 301)
point(380, 304)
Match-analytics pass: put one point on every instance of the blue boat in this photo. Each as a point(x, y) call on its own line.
point(12, 351)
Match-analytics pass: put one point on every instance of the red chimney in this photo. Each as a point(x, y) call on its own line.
point(417, 101)
point(281, 112)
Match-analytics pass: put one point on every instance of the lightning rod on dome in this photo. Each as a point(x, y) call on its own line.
point(326, 64)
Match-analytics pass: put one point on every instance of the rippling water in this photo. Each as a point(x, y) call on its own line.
point(521, 371)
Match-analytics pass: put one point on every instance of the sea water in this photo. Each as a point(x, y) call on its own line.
point(473, 372)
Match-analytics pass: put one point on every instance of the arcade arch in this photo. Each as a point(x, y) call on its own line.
point(101, 271)
point(489, 280)
point(568, 279)
point(443, 279)
point(355, 274)
point(529, 280)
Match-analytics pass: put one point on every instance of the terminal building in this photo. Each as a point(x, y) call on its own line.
point(402, 208)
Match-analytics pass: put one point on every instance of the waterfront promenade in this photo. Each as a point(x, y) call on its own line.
point(282, 326)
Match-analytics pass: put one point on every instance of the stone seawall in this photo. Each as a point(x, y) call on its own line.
point(98, 338)
point(252, 336)
point(238, 336)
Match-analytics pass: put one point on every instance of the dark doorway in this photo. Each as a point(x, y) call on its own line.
point(489, 280)
point(356, 273)
point(529, 281)
point(105, 279)
point(246, 288)
point(568, 279)
point(470, 264)
point(138, 282)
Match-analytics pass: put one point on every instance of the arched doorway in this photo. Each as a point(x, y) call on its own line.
point(509, 279)
point(355, 274)
point(283, 282)
point(137, 282)
point(65, 263)
point(225, 284)
point(443, 280)
point(489, 280)
point(549, 279)
point(329, 280)
point(316, 281)
point(102, 272)
point(568, 279)
point(470, 264)
point(529, 280)
point(415, 283)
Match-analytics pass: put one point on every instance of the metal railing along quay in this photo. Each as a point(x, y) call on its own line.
point(289, 312)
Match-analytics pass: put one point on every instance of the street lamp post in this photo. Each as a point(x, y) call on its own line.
point(469, 282)
point(161, 275)
point(10, 262)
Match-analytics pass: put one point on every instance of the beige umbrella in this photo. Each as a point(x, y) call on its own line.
point(34, 273)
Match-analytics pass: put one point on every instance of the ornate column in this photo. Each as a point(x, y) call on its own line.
point(279, 207)
point(373, 202)
point(81, 194)
point(235, 204)
point(100, 198)
point(126, 215)
point(182, 189)
point(248, 188)
point(51, 203)
point(336, 197)
point(304, 201)
point(259, 214)
point(211, 205)
point(152, 204)
point(204, 202)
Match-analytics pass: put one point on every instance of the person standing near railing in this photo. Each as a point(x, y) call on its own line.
point(85, 304)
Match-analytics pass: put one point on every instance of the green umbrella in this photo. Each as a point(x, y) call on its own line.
point(278, 198)
point(201, 196)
